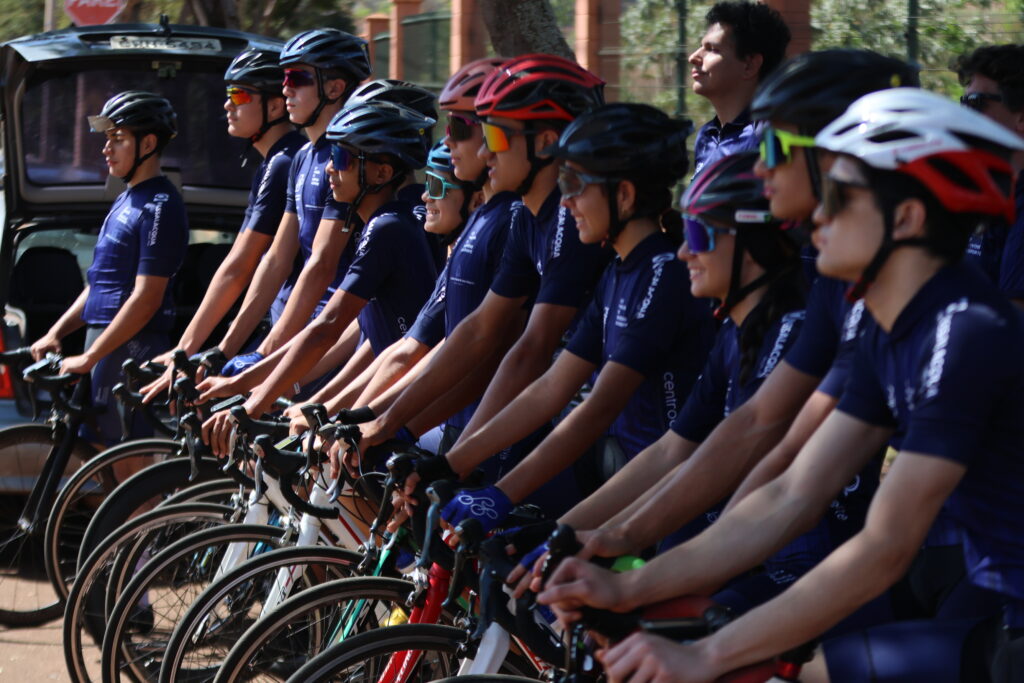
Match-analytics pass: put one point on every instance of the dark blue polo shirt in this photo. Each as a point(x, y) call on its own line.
point(715, 141)
point(269, 192)
point(145, 233)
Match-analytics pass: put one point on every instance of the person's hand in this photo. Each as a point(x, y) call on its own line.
point(78, 365)
point(45, 344)
point(158, 386)
point(374, 432)
point(241, 363)
point(605, 542)
point(216, 387)
point(217, 433)
point(527, 574)
point(576, 583)
point(488, 505)
point(165, 358)
point(647, 658)
point(298, 424)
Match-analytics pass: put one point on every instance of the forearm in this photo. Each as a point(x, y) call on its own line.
point(308, 291)
point(629, 485)
point(339, 356)
point(469, 389)
point(71, 320)
point(395, 363)
point(385, 399)
point(227, 285)
point(266, 283)
point(343, 391)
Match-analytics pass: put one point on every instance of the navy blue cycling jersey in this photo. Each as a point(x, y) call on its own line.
point(269, 192)
point(815, 350)
point(719, 390)
point(545, 259)
point(145, 233)
point(949, 377)
point(998, 249)
point(715, 141)
point(393, 270)
point(428, 328)
point(643, 316)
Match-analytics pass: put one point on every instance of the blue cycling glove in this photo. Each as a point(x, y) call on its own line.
point(530, 558)
point(489, 506)
point(240, 364)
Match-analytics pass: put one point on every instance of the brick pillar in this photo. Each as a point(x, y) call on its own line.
point(797, 14)
point(468, 34)
point(400, 9)
point(597, 31)
point(374, 25)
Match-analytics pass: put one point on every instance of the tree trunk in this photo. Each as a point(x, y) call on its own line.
point(518, 27)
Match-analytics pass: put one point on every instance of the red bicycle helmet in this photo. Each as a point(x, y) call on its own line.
point(539, 86)
point(462, 88)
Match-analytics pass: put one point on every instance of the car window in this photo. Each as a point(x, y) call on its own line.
point(60, 149)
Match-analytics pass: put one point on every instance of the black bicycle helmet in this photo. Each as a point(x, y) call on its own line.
point(330, 51)
point(142, 113)
point(259, 69)
point(408, 94)
point(813, 88)
point(728, 193)
point(626, 141)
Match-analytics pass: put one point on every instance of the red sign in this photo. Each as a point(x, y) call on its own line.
point(90, 12)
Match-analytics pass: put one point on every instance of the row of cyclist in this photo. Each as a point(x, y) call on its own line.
point(743, 443)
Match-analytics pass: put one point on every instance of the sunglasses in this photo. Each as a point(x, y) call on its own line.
point(342, 158)
point(496, 136)
point(572, 183)
point(239, 95)
point(977, 100)
point(297, 78)
point(461, 127)
point(438, 187)
point(700, 236)
point(835, 194)
point(777, 146)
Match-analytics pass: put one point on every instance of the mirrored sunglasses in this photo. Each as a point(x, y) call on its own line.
point(700, 236)
point(835, 194)
point(978, 100)
point(297, 78)
point(572, 183)
point(437, 186)
point(239, 95)
point(460, 126)
point(777, 146)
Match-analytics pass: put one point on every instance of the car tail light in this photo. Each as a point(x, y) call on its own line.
point(6, 386)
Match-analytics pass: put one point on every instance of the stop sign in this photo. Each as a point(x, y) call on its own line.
point(89, 12)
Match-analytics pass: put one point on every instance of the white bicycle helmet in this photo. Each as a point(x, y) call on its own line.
point(959, 155)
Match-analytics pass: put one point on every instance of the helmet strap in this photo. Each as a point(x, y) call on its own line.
point(616, 224)
point(138, 160)
point(860, 287)
point(737, 291)
point(536, 164)
point(266, 125)
point(322, 102)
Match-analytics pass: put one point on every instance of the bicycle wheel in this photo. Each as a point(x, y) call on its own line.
point(82, 615)
point(82, 495)
point(488, 678)
point(307, 623)
point(142, 491)
point(165, 587)
point(230, 606)
point(26, 596)
point(366, 656)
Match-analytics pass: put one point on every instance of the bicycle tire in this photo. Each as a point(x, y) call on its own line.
point(176, 570)
point(144, 488)
point(233, 603)
point(487, 678)
point(367, 655)
point(76, 502)
point(308, 619)
point(28, 598)
point(78, 619)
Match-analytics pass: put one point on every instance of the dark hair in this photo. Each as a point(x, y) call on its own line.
point(1004, 64)
point(162, 136)
point(782, 295)
point(946, 232)
point(756, 29)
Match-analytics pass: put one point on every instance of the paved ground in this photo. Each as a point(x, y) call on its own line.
point(34, 654)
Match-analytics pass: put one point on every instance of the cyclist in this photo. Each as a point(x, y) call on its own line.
point(255, 111)
point(742, 44)
point(643, 335)
point(126, 304)
point(937, 363)
point(374, 146)
point(993, 80)
point(474, 259)
point(321, 69)
point(797, 100)
point(526, 103)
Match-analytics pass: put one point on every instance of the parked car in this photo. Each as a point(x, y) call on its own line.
point(55, 186)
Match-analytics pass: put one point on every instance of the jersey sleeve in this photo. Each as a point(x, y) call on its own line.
point(267, 206)
point(962, 383)
point(863, 396)
point(428, 328)
point(163, 236)
point(573, 267)
point(293, 171)
point(376, 256)
point(587, 340)
point(705, 406)
point(517, 275)
point(1011, 270)
point(335, 210)
point(816, 347)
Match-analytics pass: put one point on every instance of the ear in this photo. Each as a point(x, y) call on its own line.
point(383, 174)
point(909, 219)
point(335, 88)
point(476, 202)
point(752, 65)
point(625, 197)
point(147, 143)
point(275, 107)
point(545, 139)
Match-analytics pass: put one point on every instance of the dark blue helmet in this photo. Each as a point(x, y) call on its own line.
point(257, 68)
point(384, 128)
point(440, 158)
point(408, 94)
point(329, 49)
